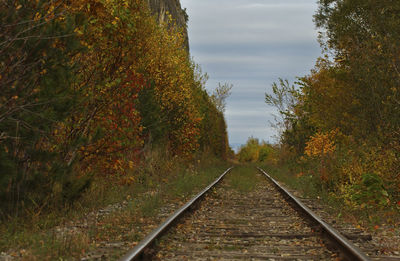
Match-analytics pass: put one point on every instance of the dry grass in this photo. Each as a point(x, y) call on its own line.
point(50, 236)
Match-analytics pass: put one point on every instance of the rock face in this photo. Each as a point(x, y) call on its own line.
point(160, 8)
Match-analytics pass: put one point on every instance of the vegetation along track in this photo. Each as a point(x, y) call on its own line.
point(245, 217)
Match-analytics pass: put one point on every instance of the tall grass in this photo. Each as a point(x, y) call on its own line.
point(159, 180)
point(310, 187)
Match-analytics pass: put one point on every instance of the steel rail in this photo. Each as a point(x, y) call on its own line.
point(351, 251)
point(138, 250)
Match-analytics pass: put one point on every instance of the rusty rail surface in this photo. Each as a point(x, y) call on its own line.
point(138, 250)
point(351, 251)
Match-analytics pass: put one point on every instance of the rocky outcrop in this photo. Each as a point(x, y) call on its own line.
point(161, 8)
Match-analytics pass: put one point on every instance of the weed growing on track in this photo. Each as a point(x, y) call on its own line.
point(243, 178)
point(150, 205)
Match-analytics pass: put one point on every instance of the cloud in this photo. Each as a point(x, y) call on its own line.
point(252, 43)
point(247, 113)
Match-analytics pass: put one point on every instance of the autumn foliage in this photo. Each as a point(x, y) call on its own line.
point(87, 87)
point(256, 151)
point(341, 122)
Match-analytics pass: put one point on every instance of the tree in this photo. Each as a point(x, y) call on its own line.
point(36, 42)
point(85, 85)
point(254, 151)
point(293, 122)
point(213, 135)
point(220, 94)
point(345, 114)
point(284, 98)
point(363, 37)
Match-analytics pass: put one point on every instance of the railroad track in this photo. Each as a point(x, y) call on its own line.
point(262, 223)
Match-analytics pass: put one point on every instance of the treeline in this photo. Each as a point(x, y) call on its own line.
point(256, 151)
point(87, 87)
point(341, 123)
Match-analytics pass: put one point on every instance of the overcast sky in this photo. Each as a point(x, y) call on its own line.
point(251, 44)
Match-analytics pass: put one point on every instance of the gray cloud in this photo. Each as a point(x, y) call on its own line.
point(251, 43)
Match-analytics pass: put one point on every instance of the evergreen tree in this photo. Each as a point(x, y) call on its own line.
point(36, 42)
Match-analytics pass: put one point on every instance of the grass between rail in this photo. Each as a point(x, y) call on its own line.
point(135, 212)
point(243, 178)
